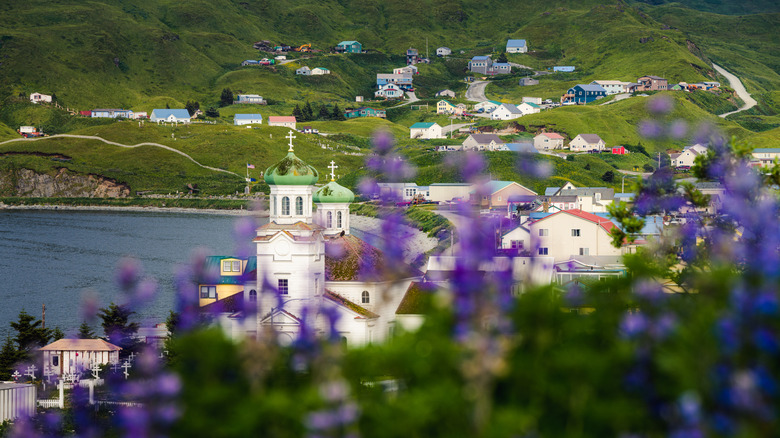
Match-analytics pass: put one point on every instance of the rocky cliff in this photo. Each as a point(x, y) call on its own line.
point(59, 184)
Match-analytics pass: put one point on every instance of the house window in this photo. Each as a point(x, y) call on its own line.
point(330, 219)
point(366, 297)
point(338, 220)
point(208, 291)
point(317, 285)
point(543, 232)
point(584, 251)
point(542, 251)
point(285, 206)
point(517, 244)
point(226, 265)
point(575, 232)
point(284, 287)
point(236, 265)
point(252, 296)
point(55, 361)
point(299, 206)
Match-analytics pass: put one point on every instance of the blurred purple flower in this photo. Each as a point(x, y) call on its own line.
point(128, 272)
point(650, 129)
point(90, 305)
point(660, 105)
point(383, 142)
point(633, 324)
point(678, 129)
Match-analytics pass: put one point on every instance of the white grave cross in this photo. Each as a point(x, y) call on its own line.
point(291, 137)
point(95, 370)
point(126, 365)
point(333, 168)
point(16, 375)
point(47, 373)
point(31, 371)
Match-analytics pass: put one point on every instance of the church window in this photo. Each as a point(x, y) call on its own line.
point(330, 219)
point(285, 206)
point(208, 291)
point(252, 296)
point(366, 297)
point(299, 206)
point(338, 220)
point(284, 287)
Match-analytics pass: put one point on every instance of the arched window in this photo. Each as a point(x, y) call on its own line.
point(285, 206)
point(299, 206)
point(338, 220)
point(366, 297)
point(252, 296)
point(330, 219)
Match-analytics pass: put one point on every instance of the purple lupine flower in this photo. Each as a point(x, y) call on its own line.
point(766, 340)
point(244, 231)
point(650, 129)
point(128, 273)
point(678, 129)
point(633, 324)
point(660, 105)
point(90, 305)
point(383, 141)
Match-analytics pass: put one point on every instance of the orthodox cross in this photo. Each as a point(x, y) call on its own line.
point(47, 373)
point(291, 137)
point(333, 168)
point(114, 365)
point(31, 371)
point(126, 365)
point(132, 357)
point(95, 370)
point(16, 375)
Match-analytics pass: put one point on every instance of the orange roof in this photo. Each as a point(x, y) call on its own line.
point(552, 135)
point(281, 119)
point(80, 345)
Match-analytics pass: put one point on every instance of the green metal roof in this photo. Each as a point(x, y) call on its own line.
point(291, 171)
point(422, 125)
point(333, 192)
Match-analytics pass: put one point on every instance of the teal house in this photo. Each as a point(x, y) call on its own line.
point(349, 47)
point(365, 111)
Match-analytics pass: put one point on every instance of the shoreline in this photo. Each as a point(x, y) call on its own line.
point(135, 209)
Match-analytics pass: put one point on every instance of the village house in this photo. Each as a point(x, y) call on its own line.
point(304, 71)
point(445, 107)
point(687, 157)
point(495, 194)
point(365, 111)
point(483, 142)
point(247, 119)
point(446, 192)
point(481, 64)
point(401, 80)
point(612, 87)
point(38, 98)
point(529, 108)
point(500, 68)
point(586, 142)
point(250, 62)
point(309, 130)
point(527, 81)
point(516, 46)
point(563, 68)
point(111, 113)
point(27, 130)
point(139, 115)
point(506, 111)
point(77, 355)
point(285, 121)
point(569, 197)
point(517, 238)
point(445, 93)
point(389, 91)
point(349, 47)
point(423, 130)
point(408, 70)
point(570, 233)
point(170, 116)
point(250, 99)
point(581, 93)
point(651, 83)
point(618, 150)
point(765, 156)
point(412, 56)
point(533, 100)
point(547, 141)
point(443, 51)
point(403, 191)
point(486, 106)
point(317, 71)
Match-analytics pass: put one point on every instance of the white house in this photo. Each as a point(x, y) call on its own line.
point(389, 91)
point(444, 192)
point(518, 238)
point(569, 197)
point(483, 142)
point(506, 111)
point(548, 141)
point(38, 98)
point(27, 130)
point(247, 119)
point(316, 71)
point(612, 87)
point(422, 130)
point(445, 93)
point(533, 100)
point(586, 142)
point(250, 99)
point(76, 355)
point(285, 121)
point(529, 108)
point(765, 156)
point(687, 157)
point(170, 116)
point(443, 51)
point(516, 46)
point(305, 71)
point(408, 70)
point(487, 106)
point(573, 232)
point(139, 115)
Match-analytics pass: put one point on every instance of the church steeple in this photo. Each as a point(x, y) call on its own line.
point(332, 202)
point(292, 183)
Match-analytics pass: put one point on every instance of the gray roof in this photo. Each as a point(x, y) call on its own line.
point(511, 108)
point(590, 87)
point(591, 138)
point(486, 138)
point(562, 198)
point(606, 193)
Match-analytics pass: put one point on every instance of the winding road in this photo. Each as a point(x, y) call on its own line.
point(412, 98)
point(736, 84)
point(476, 91)
point(92, 137)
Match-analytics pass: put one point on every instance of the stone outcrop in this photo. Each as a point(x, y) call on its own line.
point(60, 184)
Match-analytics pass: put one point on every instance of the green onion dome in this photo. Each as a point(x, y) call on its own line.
point(291, 171)
point(333, 192)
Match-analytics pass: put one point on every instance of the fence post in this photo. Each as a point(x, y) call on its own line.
point(62, 395)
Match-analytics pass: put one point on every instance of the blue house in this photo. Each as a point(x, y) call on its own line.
point(170, 115)
point(564, 68)
point(516, 46)
point(365, 111)
point(112, 113)
point(349, 47)
point(480, 64)
point(582, 93)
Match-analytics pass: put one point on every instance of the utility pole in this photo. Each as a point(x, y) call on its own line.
point(659, 160)
point(43, 317)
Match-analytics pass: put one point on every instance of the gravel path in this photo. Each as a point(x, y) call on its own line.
point(736, 84)
point(476, 91)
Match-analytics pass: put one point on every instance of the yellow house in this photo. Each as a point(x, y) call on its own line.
point(444, 107)
point(226, 276)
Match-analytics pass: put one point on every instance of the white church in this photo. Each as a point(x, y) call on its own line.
point(308, 266)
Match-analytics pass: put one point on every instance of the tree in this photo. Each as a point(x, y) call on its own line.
point(29, 335)
point(337, 114)
point(587, 166)
point(297, 113)
point(609, 176)
point(117, 327)
point(308, 113)
point(570, 157)
point(212, 112)
point(324, 113)
point(648, 168)
point(192, 107)
point(8, 357)
point(85, 331)
point(226, 98)
point(502, 57)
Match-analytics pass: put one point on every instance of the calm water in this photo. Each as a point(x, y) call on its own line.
point(52, 257)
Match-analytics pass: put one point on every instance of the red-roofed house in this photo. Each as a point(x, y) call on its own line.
point(286, 121)
point(548, 141)
point(573, 232)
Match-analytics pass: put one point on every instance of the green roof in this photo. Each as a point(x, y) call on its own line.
point(291, 171)
point(422, 125)
point(417, 300)
point(770, 150)
point(333, 192)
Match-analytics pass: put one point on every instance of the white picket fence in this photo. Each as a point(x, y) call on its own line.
point(49, 403)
